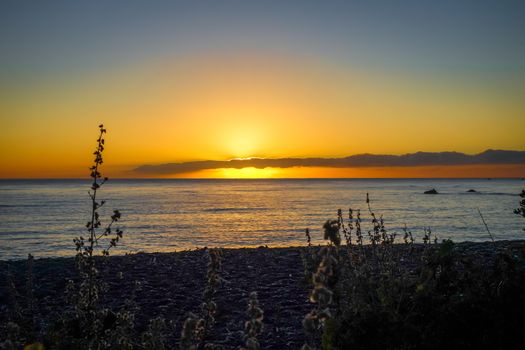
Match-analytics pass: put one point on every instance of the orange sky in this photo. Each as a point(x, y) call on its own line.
point(457, 171)
point(250, 105)
point(178, 81)
point(461, 171)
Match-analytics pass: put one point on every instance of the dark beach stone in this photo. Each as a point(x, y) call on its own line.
point(175, 285)
point(432, 191)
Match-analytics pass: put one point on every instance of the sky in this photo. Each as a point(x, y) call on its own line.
point(186, 81)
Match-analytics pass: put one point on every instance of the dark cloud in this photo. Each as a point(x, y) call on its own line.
point(359, 160)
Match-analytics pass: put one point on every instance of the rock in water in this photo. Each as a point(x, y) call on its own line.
point(472, 191)
point(432, 191)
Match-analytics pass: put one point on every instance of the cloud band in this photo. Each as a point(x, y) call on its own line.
point(359, 160)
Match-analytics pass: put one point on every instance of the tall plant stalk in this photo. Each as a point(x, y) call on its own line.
point(85, 255)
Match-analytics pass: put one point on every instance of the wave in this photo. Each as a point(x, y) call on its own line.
point(477, 193)
point(486, 194)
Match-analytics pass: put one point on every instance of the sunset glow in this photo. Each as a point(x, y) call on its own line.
point(481, 171)
point(211, 95)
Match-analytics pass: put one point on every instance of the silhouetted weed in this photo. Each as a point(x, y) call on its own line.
point(406, 296)
point(254, 326)
point(197, 328)
point(521, 209)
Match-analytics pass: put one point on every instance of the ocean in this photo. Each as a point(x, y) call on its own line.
point(42, 217)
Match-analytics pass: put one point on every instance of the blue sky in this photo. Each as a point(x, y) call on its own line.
point(478, 38)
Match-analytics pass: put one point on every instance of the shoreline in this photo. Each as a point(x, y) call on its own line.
point(277, 247)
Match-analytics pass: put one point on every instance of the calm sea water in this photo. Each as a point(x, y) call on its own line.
point(42, 217)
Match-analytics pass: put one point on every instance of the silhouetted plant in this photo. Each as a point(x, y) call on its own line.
point(15, 311)
point(20, 328)
point(309, 258)
point(308, 237)
point(323, 281)
point(521, 209)
point(407, 238)
point(347, 229)
point(85, 261)
point(30, 285)
point(12, 337)
point(486, 226)
point(86, 247)
point(417, 296)
point(354, 274)
point(254, 326)
point(20, 309)
point(358, 232)
point(197, 328)
point(426, 236)
point(94, 324)
point(192, 332)
point(30, 300)
point(153, 338)
point(331, 232)
point(209, 307)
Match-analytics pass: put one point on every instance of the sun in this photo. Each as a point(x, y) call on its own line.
point(242, 140)
point(241, 146)
point(248, 173)
point(232, 173)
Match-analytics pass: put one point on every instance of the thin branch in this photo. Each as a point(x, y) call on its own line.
point(486, 226)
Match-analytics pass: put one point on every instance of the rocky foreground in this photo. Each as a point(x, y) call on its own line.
point(172, 284)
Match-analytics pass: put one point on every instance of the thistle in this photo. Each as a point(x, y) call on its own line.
point(197, 328)
point(321, 295)
point(254, 326)
point(331, 232)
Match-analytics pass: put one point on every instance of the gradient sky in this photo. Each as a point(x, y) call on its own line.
point(177, 81)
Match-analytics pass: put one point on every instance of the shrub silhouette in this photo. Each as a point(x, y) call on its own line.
point(403, 296)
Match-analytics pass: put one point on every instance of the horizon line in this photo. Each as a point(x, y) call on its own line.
point(273, 178)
